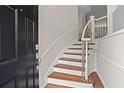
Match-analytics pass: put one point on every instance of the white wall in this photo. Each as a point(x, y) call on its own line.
point(97, 10)
point(118, 15)
point(81, 22)
point(54, 21)
point(110, 11)
point(110, 59)
point(82, 10)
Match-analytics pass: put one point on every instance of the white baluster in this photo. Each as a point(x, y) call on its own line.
point(86, 62)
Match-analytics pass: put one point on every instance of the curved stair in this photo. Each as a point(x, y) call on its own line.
point(68, 72)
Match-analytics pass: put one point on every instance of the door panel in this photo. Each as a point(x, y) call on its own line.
point(22, 39)
point(7, 18)
point(30, 38)
point(7, 71)
point(7, 45)
point(12, 83)
point(18, 64)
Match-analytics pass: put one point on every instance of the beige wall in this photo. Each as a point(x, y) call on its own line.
point(54, 21)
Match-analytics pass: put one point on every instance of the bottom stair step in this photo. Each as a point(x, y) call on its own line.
point(49, 85)
point(69, 83)
point(63, 76)
point(67, 80)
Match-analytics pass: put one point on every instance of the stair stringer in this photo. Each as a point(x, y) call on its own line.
point(51, 68)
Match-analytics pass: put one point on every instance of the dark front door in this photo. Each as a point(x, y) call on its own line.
point(18, 64)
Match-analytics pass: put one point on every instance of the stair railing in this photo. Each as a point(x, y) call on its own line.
point(94, 29)
point(100, 27)
point(86, 37)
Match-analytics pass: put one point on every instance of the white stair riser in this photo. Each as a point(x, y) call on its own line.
point(79, 42)
point(73, 56)
point(69, 83)
point(66, 71)
point(76, 46)
point(73, 51)
point(70, 63)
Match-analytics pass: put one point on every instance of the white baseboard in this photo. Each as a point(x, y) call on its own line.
point(105, 86)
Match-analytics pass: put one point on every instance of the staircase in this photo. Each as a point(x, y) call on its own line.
point(68, 72)
point(72, 70)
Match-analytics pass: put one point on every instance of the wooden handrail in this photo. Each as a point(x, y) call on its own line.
point(100, 18)
point(85, 29)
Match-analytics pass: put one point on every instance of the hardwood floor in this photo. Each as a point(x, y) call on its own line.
point(70, 59)
point(73, 54)
point(65, 77)
point(75, 48)
point(76, 68)
point(94, 77)
point(56, 86)
point(97, 82)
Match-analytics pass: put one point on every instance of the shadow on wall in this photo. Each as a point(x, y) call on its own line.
point(97, 10)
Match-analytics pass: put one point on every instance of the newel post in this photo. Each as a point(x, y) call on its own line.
point(92, 27)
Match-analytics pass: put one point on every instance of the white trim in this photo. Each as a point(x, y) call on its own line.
point(105, 86)
point(79, 42)
point(111, 62)
point(73, 56)
point(69, 83)
point(70, 63)
point(119, 32)
point(74, 28)
point(76, 46)
point(86, 39)
point(73, 51)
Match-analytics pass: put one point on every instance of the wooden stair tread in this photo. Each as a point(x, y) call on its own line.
point(88, 44)
point(97, 83)
point(73, 53)
point(79, 48)
point(69, 67)
point(49, 85)
point(89, 48)
point(70, 59)
point(75, 48)
point(68, 77)
point(77, 44)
